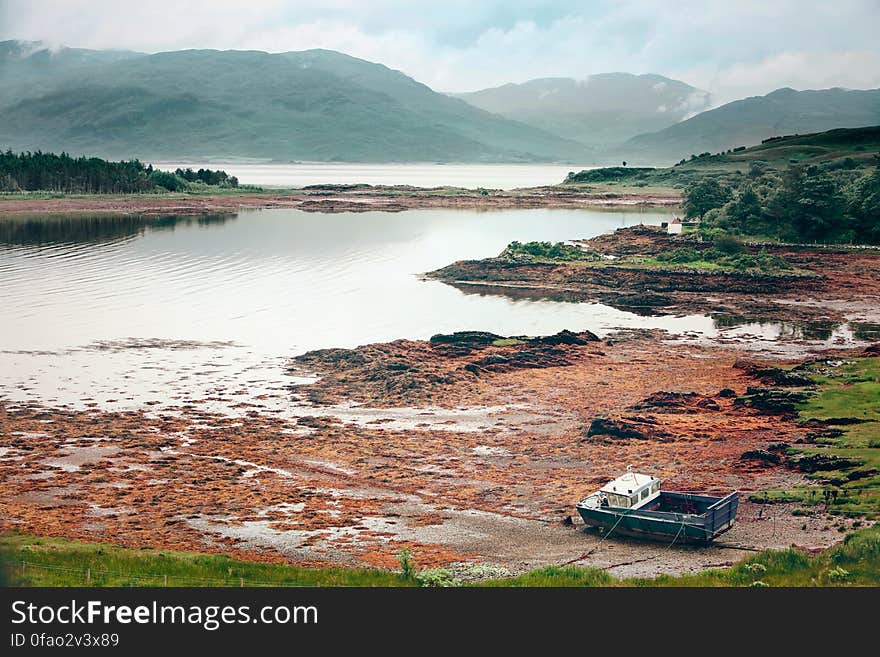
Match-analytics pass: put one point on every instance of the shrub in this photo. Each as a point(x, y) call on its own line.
point(549, 251)
point(680, 255)
point(437, 578)
point(407, 564)
point(729, 245)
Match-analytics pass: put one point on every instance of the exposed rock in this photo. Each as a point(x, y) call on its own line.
point(465, 337)
point(762, 455)
point(624, 428)
point(771, 400)
point(687, 402)
point(727, 393)
point(772, 375)
point(568, 337)
point(546, 357)
point(821, 462)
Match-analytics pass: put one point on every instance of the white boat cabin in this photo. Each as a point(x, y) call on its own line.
point(629, 491)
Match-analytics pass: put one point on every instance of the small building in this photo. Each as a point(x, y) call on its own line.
point(674, 227)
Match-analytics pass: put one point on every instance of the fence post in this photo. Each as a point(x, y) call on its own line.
point(241, 582)
point(88, 576)
point(165, 580)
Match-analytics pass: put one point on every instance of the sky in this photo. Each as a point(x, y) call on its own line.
point(732, 49)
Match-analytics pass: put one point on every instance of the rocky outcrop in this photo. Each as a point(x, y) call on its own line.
point(821, 462)
point(624, 428)
point(567, 337)
point(773, 376)
point(469, 338)
point(685, 402)
point(448, 364)
point(762, 455)
point(772, 400)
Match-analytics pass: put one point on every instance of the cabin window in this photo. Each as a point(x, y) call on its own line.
point(655, 486)
point(618, 500)
point(634, 499)
point(645, 493)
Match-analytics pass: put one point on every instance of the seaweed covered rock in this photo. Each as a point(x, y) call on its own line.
point(821, 462)
point(772, 400)
point(537, 358)
point(762, 455)
point(686, 402)
point(773, 376)
point(626, 428)
point(466, 338)
point(567, 337)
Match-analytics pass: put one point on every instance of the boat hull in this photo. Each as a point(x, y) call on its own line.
point(716, 517)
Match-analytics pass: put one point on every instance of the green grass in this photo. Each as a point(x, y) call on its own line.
point(832, 150)
point(31, 561)
point(850, 389)
point(507, 342)
point(62, 562)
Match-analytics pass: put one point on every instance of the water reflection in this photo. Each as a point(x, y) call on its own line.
point(776, 330)
point(62, 229)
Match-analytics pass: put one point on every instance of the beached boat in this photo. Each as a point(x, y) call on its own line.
point(634, 505)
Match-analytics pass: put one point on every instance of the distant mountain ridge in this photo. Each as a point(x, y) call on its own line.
point(313, 105)
point(600, 110)
point(321, 105)
point(748, 121)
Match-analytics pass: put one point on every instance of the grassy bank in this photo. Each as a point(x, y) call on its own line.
point(31, 561)
point(845, 455)
point(835, 149)
point(682, 260)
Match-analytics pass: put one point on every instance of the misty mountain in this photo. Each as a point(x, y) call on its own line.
point(751, 120)
point(600, 110)
point(314, 105)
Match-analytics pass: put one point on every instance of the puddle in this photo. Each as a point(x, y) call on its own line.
point(76, 457)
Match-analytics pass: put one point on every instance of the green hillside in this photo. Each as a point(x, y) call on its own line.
point(751, 120)
point(601, 110)
point(203, 104)
point(846, 150)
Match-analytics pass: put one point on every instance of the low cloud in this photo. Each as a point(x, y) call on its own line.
point(729, 49)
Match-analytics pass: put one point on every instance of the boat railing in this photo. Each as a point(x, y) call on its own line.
point(720, 515)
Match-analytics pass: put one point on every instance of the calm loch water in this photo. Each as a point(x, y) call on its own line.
point(122, 310)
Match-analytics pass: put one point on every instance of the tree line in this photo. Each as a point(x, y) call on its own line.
point(800, 204)
point(40, 171)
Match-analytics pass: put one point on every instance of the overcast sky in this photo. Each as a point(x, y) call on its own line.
point(732, 49)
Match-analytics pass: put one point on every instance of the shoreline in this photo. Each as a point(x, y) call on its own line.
point(320, 490)
point(470, 448)
point(335, 198)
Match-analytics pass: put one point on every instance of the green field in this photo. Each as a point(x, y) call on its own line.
point(31, 561)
